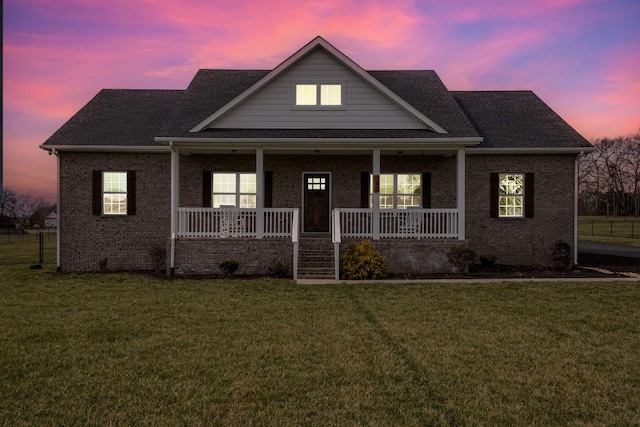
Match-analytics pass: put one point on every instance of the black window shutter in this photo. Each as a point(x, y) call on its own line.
point(529, 195)
point(364, 190)
point(96, 193)
point(206, 189)
point(426, 190)
point(493, 195)
point(268, 189)
point(131, 193)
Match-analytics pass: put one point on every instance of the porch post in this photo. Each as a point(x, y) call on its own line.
point(175, 202)
point(460, 192)
point(376, 195)
point(259, 193)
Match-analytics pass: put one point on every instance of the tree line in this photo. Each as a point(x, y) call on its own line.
point(609, 177)
point(23, 210)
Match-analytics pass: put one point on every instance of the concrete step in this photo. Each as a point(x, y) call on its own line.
point(315, 258)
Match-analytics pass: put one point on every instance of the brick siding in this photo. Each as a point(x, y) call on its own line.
point(127, 240)
point(411, 257)
point(521, 240)
point(201, 256)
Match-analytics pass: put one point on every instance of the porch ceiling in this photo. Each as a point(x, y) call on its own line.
point(341, 146)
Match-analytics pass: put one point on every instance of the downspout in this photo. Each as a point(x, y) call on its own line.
point(575, 208)
point(55, 152)
point(174, 160)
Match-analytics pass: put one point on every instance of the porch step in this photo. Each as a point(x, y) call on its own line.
point(315, 258)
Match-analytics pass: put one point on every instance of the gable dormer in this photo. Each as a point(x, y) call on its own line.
point(318, 88)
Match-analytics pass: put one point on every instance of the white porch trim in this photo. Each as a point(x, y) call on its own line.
point(460, 192)
point(376, 196)
point(175, 202)
point(260, 193)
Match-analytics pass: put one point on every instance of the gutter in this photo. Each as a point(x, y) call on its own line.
point(107, 148)
point(529, 150)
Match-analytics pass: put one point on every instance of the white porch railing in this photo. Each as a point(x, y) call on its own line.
point(284, 222)
point(233, 222)
point(396, 223)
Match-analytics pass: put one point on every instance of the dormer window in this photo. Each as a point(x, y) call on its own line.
point(319, 95)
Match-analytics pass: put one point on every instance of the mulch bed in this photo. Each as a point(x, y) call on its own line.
point(613, 264)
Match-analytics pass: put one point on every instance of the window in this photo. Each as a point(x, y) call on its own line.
point(114, 193)
point(399, 191)
point(233, 189)
point(511, 195)
point(317, 183)
point(319, 95)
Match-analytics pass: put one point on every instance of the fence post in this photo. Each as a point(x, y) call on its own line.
point(41, 247)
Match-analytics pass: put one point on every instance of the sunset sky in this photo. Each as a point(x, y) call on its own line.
point(582, 57)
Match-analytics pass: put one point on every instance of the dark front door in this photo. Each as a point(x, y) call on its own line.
point(316, 202)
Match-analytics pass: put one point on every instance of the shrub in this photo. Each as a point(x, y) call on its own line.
point(277, 270)
point(488, 261)
point(363, 261)
point(104, 264)
point(562, 253)
point(461, 256)
point(228, 266)
point(158, 257)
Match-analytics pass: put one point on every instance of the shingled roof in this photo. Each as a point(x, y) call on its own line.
point(135, 117)
point(119, 117)
point(516, 119)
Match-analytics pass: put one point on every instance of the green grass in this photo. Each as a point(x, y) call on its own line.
point(119, 349)
point(610, 229)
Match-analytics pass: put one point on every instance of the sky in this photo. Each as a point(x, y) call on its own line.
point(582, 57)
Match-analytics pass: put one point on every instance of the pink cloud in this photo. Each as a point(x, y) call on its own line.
point(27, 169)
point(80, 47)
point(467, 12)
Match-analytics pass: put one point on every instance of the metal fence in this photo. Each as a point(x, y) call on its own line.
point(625, 229)
point(8, 235)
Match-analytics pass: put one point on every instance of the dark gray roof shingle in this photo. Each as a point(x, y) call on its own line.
point(516, 119)
point(424, 90)
point(117, 117)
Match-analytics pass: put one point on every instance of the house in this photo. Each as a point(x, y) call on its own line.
point(290, 165)
point(51, 220)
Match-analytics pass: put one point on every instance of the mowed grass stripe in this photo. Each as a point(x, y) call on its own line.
point(120, 349)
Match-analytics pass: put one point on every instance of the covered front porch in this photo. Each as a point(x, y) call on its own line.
point(324, 191)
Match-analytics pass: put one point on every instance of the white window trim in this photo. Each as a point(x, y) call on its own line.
point(521, 195)
point(395, 193)
point(126, 194)
point(238, 194)
point(318, 105)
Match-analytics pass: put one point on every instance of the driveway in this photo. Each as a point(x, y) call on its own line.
point(587, 247)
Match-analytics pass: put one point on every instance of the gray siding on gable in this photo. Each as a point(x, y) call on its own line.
point(272, 106)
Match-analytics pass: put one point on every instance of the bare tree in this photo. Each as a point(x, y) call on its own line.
point(7, 203)
point(609, 177)
point(26, 205)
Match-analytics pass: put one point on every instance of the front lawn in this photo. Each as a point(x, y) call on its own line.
point(118, 349)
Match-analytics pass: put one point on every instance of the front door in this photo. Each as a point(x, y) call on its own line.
point(317, 209)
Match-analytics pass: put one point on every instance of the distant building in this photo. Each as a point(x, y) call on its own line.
point(51, 220)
